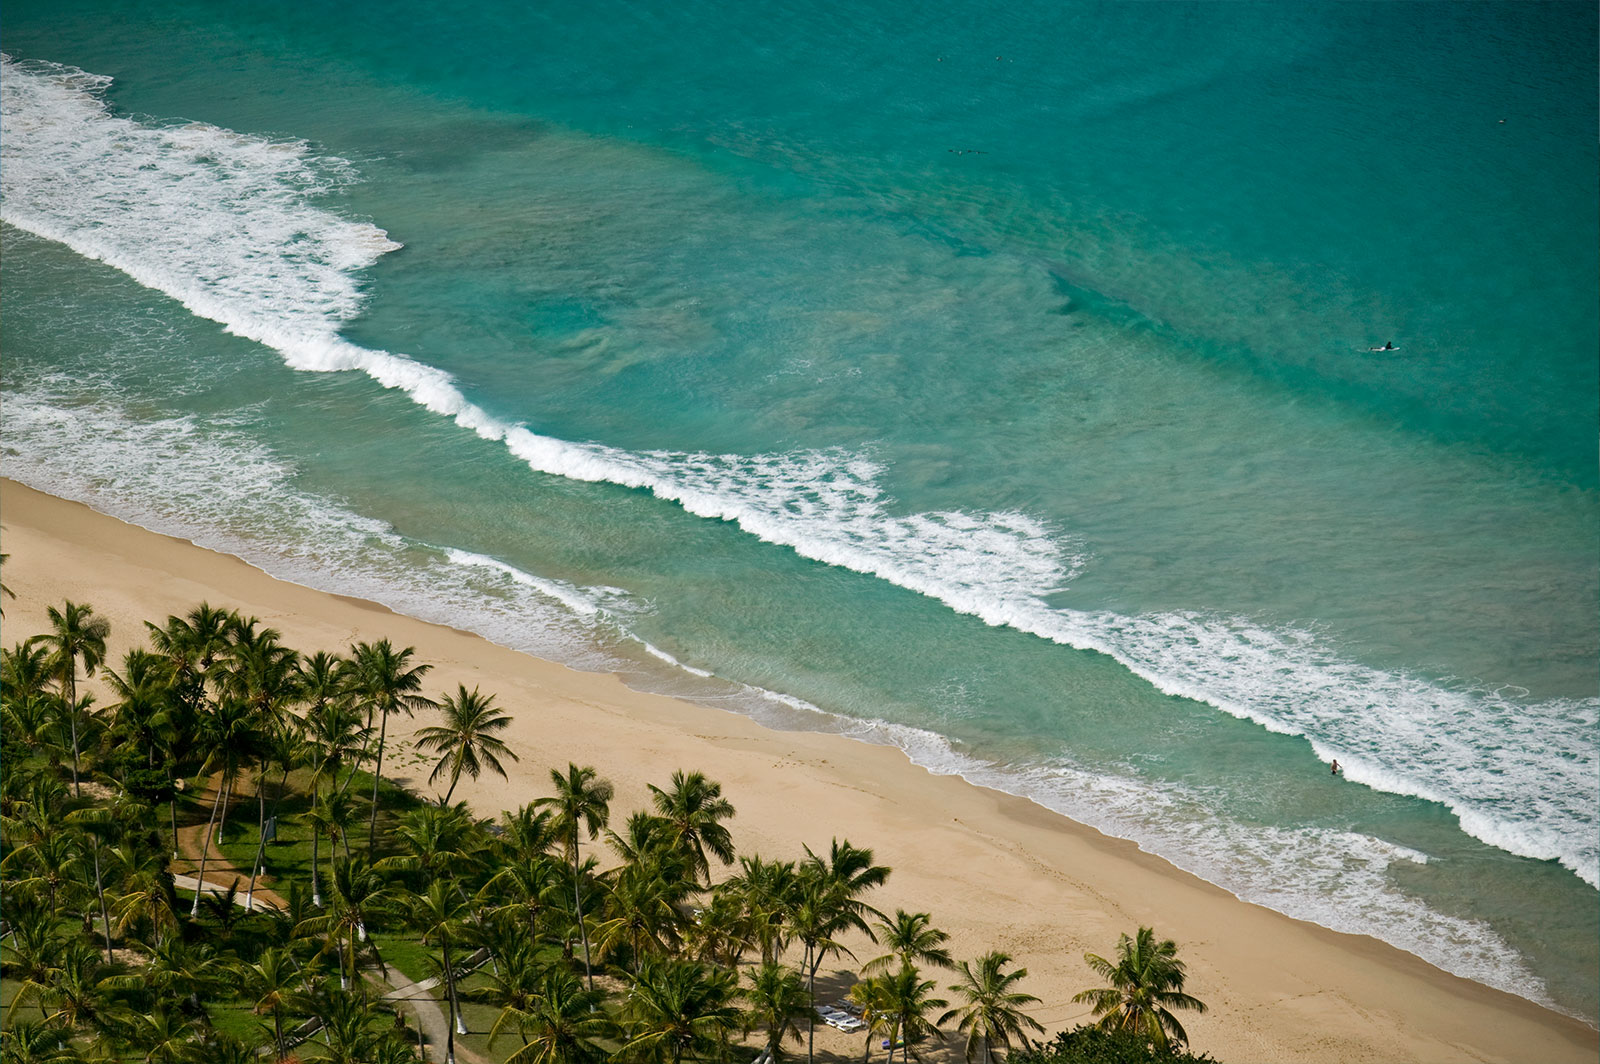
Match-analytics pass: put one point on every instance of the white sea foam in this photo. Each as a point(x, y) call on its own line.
point(228, 225)
point(1338, 879)
point(213, 484)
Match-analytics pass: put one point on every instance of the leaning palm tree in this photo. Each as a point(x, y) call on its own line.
point(465, 738)
point(384, 681)
point(1146, 984)
point(695, 809)
point(76, 635)
point(993, 1014)
point(581, 798)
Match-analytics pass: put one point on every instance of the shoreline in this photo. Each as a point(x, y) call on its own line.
point(1026, 880)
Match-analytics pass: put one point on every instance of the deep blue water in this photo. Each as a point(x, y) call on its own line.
point(996, 383)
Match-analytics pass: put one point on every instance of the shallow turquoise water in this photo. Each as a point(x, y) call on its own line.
point(1004, 392)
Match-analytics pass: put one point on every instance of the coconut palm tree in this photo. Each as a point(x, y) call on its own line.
point(852, 873)
point(818, 913)
point(165, 1036)
point(79, 993)
point(145, 717)
point(528, 831)
point(677, 1009)
point(993, 1014)
point(640, 913)
point(262, 673)
point(384, 681)
point(24, 694)
point(1146, 984)
point(273, 981)
point(766, 891)
point(527, 889)
point(233, 739)
point(286, 749)
point(465, 738)
point(907, 998)
point(50, 865)
point(336, 737)
point(99, 824)
point(144, 899)
point(778, 1002)
point(27, 1042)
point(560, 1022)
point(329, 817)
point(32, 958)
point(911, 939)
point(581, 798)
point(435, 841)
point(871, 997)
point(192, 644)
point(77, 635)
point(442, 916)
point(694, 810)
point(358, 895)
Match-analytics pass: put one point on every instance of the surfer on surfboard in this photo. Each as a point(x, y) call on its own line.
point(1388, 345)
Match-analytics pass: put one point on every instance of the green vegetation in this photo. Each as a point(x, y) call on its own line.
point(553, 935)
point(1098, 1045)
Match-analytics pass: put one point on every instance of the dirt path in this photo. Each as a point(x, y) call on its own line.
point(219, 872)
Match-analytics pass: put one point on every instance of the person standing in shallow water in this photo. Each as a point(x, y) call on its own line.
point(1334, 768)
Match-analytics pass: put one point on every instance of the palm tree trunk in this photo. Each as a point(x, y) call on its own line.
point(577, 905)
point(226, 799)
point(100, 890)
point(450, 1003)
point(316, 888)
point(205, 850)
point(69, 686)
point(377, 775)
point(455, 777)
point(811, 1020)
point(172, 809)
point(261, 846)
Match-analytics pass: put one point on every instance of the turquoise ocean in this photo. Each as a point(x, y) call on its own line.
point(991, 380)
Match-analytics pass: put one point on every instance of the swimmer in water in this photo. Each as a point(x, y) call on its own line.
point(1335, 767)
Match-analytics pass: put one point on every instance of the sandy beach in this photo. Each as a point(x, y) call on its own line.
point(996, 872)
